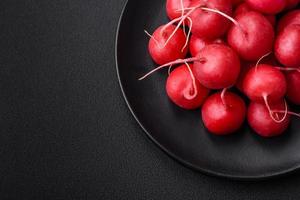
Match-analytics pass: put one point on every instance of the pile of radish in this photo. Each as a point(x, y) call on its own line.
point(214, 46)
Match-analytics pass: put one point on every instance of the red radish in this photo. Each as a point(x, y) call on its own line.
point(292, 17)
point(173, 7)
point(241, 9)
point(218, 68)
point(287, 46)
point(244, 7)
point(184, 90)
point(265, 83)
point(253, 36)
point(245, 67)
point(223, 116)
point(197, 44)
point(267, 6)
point(261, 122)
point(162, 49)
point(293, 89)
point(207, 24)
point(290, 4)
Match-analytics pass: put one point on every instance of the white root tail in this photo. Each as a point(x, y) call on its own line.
point(259, 60)
point(223, 96)
point(289, 112)
point(188, 35)
point(151, 36)
point(265, 97)
point(289, 69)
point(176, 62)
point(181, 20)
point(195, 90)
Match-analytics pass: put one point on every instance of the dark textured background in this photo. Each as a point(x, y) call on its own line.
point(66, 132)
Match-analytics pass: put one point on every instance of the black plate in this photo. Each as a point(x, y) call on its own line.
point(181, 133)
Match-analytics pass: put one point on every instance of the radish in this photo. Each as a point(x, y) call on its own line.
point(208, 24)
point(293, 89)
point(173, 7)
point(267, 6)
point(287, 46)
point(197, 44)
point(241, 9)
point(251, 36)
point(223, 116)
point(246, 66)
point(214, 14)
point(164, 48)
point(184, 90)
point(261, 122)
point(290, 4)
point(292, 17)
point(264, 83)
point(218, 68)
point(244, 7)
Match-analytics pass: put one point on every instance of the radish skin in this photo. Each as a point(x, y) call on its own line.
point(265, 81)
point(183, 90)
point(253, 38)
point(197, 44)
point(163, 53)
point(219, 68)
point(260, 121)
point(287, 46)
point(267, 6)
point(222, 119)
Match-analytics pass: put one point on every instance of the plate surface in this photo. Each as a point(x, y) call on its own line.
point(180, 133)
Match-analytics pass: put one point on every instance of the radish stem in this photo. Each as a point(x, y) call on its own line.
point(195, 91)
point(179, 61)
point(259, 60)
point(265, 97)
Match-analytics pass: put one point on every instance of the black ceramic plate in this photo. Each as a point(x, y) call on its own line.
point(180, 133)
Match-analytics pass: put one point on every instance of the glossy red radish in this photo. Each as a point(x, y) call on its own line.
point(174, 8)
point(218, 68)
point(252, 36)
point(293, 86)
point(241, 9)
point(244, 7)
point(223, 116)
point(264, 83)
point(267, 6)
point(287, 46)
point(246, 66)
point(262, 123)
point(196, 44)
point(208, 24)
point(184, 90)
point(164, 48)
point(292, 17)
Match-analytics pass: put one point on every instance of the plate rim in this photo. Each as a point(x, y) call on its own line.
point(179, 160)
